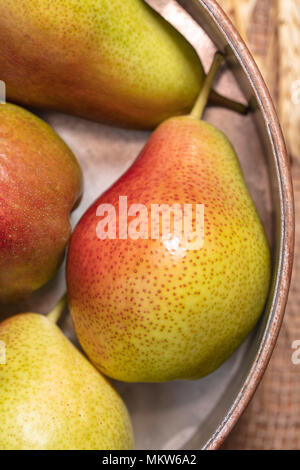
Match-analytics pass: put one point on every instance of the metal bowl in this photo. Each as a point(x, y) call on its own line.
point(199, 414)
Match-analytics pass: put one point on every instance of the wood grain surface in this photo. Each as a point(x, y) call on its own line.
point(271, 29)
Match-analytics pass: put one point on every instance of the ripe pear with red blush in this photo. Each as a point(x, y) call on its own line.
point(154, 310)
point(40, 181)
point(114, 61)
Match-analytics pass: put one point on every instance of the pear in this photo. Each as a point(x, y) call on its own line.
point(114, 61)
point(154, 309)
point(51, 397)
point(40, 181)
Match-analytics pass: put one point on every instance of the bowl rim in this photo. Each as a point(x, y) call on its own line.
point(287, 222)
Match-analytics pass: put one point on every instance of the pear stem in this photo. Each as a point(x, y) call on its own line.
point(202, 99)
point(216, 99)
point(56, 312)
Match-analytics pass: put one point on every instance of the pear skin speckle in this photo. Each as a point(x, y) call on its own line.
point(145, 313)
point(40, 181)
point(115, 61)
point(51, 397)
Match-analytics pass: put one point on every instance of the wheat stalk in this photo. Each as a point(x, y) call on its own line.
point(240, 12)
point(256, 21)
point(271, 29)
point(289, 76)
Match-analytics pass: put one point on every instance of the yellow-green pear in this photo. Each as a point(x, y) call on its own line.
point(115, 61)
point(51, 397)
